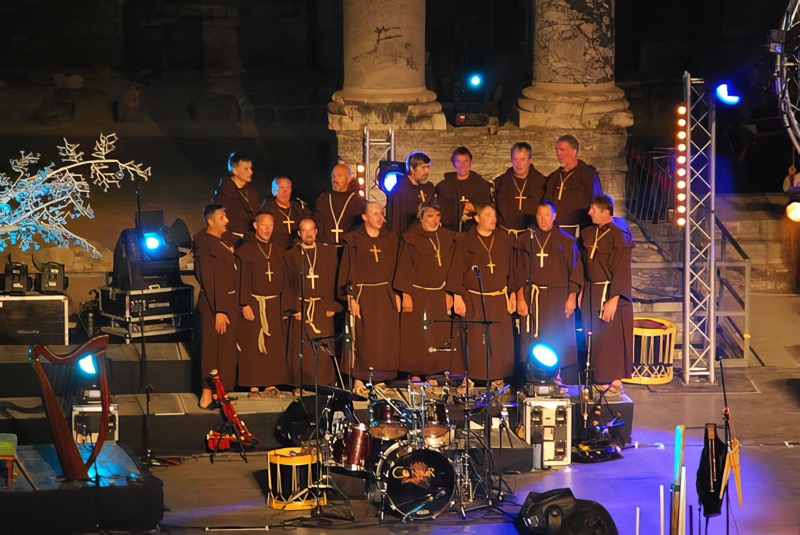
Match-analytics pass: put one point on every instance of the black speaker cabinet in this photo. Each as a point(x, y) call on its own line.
point(34, 319)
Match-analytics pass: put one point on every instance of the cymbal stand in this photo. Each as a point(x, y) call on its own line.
point(325, 482)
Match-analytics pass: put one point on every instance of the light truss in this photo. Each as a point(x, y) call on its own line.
point(699, 280)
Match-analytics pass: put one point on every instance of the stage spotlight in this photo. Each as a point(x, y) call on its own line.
point(793, 208)
point(153, 241)
point(86, 365)
point(726, 95)
point(545, 359)
point(389, 174)
point(475, 81)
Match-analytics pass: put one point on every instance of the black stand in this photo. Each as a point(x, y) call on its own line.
point(728, 442)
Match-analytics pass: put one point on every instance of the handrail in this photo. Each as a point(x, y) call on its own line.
point(735, 335)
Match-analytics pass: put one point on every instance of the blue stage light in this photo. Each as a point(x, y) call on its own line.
point(389, 174)
point(153, 240)
point(726, 96)
point(390, 181)
point(476, 80)
point(543, 357)
point(86, 365)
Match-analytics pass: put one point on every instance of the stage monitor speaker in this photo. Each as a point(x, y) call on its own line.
point(558, 511)
point(52, 279)
point(16, 279)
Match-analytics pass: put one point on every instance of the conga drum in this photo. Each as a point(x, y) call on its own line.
point(290, 471)
point(653, 351)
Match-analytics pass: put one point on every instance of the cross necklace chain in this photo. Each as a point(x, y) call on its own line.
point(311, 275)
point(520, 197)
point(336, 221)
point(541, 254)
point(268, 272)
point(597, 238)
point(563, 180)
point(491, 263)
point(437, 247)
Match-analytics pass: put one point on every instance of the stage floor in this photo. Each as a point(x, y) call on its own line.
point(766, 419)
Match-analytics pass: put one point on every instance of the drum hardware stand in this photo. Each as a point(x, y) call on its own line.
point(324, 482)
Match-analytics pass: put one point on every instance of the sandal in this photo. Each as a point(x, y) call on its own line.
point(253, 394)
point(270, 392)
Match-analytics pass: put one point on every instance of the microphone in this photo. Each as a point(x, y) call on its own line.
point(433, 349)
point(477, 271)
point(327, 349)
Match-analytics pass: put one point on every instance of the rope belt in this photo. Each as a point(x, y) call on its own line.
point(604, 296)
point(503, 292)
point(262, 312)
point(535, 305)
point(431, 289)
point(361, 286)
point(312, 304)
point(576, 229)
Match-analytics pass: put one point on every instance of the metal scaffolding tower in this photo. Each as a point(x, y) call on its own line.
point(385, 151)
point(699, 279)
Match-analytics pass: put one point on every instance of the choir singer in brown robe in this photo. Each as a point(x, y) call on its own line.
point(217, 271)
point(518, 190)
point(460, 191)
point(287, 212)
point(238, 196)
point(312, 265)
point(365, 283)
point(548, 275)
point(262, 336)
point(485, 252)
point(410, 191)
point(606, 305)
point(338, 211)
point(426, 251)
point(572, 186)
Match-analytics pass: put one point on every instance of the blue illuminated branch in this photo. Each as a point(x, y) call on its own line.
point(35, 206)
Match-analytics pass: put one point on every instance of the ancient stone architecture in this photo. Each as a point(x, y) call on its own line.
point(573, 91)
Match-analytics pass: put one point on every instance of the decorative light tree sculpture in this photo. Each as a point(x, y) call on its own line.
point(36, 205)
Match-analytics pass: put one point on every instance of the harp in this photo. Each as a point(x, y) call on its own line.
point(73, 465)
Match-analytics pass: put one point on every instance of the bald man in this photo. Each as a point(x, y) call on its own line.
point(338, 211)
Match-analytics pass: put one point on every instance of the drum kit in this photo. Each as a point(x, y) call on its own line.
point(416, 463)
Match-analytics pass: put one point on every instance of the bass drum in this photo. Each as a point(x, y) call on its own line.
point(417, 483)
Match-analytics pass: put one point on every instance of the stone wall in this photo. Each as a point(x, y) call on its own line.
point(490, 150)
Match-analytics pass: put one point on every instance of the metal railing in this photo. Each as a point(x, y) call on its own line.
point(733, 299)
point(648, 183)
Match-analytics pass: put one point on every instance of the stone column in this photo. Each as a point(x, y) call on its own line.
point(573, 68)
point(384, 69)
point(573, 88)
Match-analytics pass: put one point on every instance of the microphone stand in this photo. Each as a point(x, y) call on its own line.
point(489, 460)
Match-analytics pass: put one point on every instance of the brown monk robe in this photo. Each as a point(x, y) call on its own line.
point(365, 282)
point(548, 275)
point(606, 308)
point(216, 269)
point(490, 250)
point(426, 251)
point(572, 186)
point(239, 197)
point(338, 211)
point(518, 191)
point(287, 213)
point(313, 265)
point(455, 194)
point(262, 332)
point(411, 190)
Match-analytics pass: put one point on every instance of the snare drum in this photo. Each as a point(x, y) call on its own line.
point(291, 470)
point(386, 422)
point(417, 483)
point(353, 451)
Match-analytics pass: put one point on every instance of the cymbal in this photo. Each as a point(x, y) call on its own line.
point(338, 393)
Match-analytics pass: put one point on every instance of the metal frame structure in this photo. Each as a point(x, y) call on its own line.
point(372, 191)
point(699, 274)
point(787, 75)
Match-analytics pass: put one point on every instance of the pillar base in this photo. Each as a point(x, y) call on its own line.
point(402, 109)
point(574, 106)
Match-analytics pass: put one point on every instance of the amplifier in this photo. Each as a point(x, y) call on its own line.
point(34, 319)
point(548, 428)
point(86, 423)
point(153, 303)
